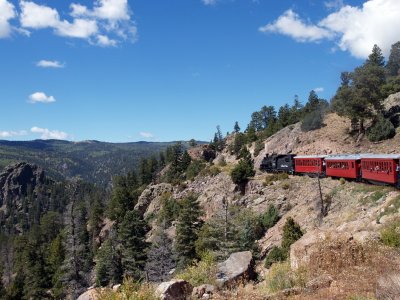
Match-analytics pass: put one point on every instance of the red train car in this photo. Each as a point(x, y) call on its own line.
point(381, 168)
point(346, 166)
point(310, 164)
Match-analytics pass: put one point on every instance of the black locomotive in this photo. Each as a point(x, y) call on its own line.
point(278, 163)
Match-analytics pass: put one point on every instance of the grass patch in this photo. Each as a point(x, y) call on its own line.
point(129, 290)
point(390, 235)
point(201, 272)
point(270, 179)
point(392, 208)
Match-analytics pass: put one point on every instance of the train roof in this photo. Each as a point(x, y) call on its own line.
point(310, 156)
point(344, 157)
point(382, 156)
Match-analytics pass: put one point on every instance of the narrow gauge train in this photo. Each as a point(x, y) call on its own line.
point(373, 168)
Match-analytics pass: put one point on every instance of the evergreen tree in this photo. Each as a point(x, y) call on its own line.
point(192, 143)
point(296, 111)
point(268, 116)
point(376, 57)
point(236, 128)
point(251, 135)
point(393, 64)
point(124, 196)
point(132, 235)
point(108, 262)
point(161, 258)
point(243, 170)
point(187, 230)
point(291, 233)
point(256, 121)
point(284, 115)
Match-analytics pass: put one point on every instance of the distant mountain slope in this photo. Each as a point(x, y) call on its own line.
point(93, 161)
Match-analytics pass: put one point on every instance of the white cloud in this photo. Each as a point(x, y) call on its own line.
point(7, 12)
point(147, 135)
point(107, 23)
point(8, 134)
point(46, 134)
point(334, 4)
point(209, 2)
point(318, 89)
point(104, 41)
point(290, 24)
point(354, 29)
point(40, 97)
point(49, 64)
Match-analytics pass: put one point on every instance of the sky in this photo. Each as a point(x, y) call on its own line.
point(132, 70)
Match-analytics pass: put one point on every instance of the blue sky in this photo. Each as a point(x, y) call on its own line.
point(120, 71)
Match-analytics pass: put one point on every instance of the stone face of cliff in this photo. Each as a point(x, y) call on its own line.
point(18, 179)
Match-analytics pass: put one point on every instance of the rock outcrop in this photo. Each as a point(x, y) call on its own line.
point(17, 179)
point(204, 291)
point(239, 267)
point(177, 289)
point(150, 199)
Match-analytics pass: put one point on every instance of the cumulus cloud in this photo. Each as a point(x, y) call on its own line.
point(147, 135)
point(46, 134)
point(8, 134)
point(354, 29)
point(7, 12)
point(40, 97)
point(290, 24)
point(106, 24)
point(49, 64)
point(319, 89)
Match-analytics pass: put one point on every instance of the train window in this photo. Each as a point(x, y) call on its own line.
point(352, 165)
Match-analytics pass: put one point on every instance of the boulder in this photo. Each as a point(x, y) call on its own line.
point(203, 291)
point(150, 199)
point(239, 267)
point(388, 287)
point(91, 294)
point(176, 289)
point(323, 281)
point(301, 250)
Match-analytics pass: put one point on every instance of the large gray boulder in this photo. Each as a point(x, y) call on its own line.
point(176, 289)
point(91, 294)
point(388, 287)
point(239, 267)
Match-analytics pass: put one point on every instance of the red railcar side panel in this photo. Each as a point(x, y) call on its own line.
point(309, 165)
point(343, 168)
point(382, 170)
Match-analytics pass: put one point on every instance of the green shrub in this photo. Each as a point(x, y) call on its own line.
point(342, 180)
point(129, 290)
point(382, 129)
point(201, 272)
point(194, 169)
point(390, 235)
point(279, 277)
point(270, 217)
point(210, 171)
point(169, 210)
point(285, 185)
point(276, 254)
point(312, 121)
point(291, 233)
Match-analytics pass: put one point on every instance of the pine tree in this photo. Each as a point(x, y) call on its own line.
point(187, 230)
point(291, 233)
point(236, 128)
point(284, 115)
point(132, 235)
point(243, 171)
point(376, 57)
point(108, 261)
point(161, 257)
point(393, 64)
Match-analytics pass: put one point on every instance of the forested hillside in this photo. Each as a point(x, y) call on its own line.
point(92, 161)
